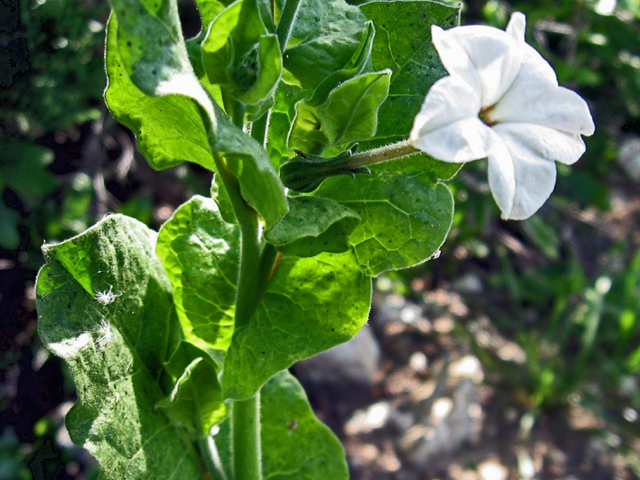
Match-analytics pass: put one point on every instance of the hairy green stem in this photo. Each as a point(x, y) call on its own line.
point(259, 129)
point(286, 21)
point(245, 418)
point(381, 155)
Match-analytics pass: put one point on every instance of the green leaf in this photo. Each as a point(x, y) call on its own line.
point(403, 44)
point(324, 38)
point(306, 133)
point(170, 129)
point(351, 111)
point(152, 50)
point(196, 399)
point(106, 308)
point(406, 213)
point(269, 71)
point(295, 444)
point(311, 305)
point(313, 225)
point(200, 253)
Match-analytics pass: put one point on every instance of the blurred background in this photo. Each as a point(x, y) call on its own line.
point(514, 355)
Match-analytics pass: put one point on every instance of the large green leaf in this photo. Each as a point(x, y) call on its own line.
point(106, 308)
point(313, 225)
point(200, 253)
point(311, 305)
point(295, 445)
point(170, 129)
point(403, 44)
point(406, 212)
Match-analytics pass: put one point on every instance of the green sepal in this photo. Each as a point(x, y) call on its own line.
point(295, 444)
point(200, 253)
point(313, 225)
point(304, 173)
point(195, 402)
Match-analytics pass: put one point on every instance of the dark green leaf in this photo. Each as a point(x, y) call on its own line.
point(23, 168)
point(106, 308)
point(311, 305)
point(406, 213)
point(313, 225)
point(199, 251)
point(325, 36)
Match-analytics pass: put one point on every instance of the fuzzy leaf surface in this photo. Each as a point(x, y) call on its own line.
point(106, 309)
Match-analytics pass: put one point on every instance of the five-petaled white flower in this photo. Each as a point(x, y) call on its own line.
point(502, 101)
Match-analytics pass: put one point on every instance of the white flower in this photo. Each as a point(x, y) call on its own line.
point(502, 101)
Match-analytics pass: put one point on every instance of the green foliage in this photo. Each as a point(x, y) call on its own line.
point(411, 57)
point(334, 223)
point(23, 169)
point(48, 47)
point(164, 334)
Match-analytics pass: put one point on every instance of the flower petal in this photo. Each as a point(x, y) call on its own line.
point(535, 77)
point(448, 100)
point(535, 178)
point(545, 142)
point(559, 108)
point(454, 58)
point(458, 142)
point(495, 55)
point(501, 175)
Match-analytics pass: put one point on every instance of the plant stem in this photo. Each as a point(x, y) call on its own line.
point(246, 438)
point(245, 419)
point(381, 155)
point(286, 21)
